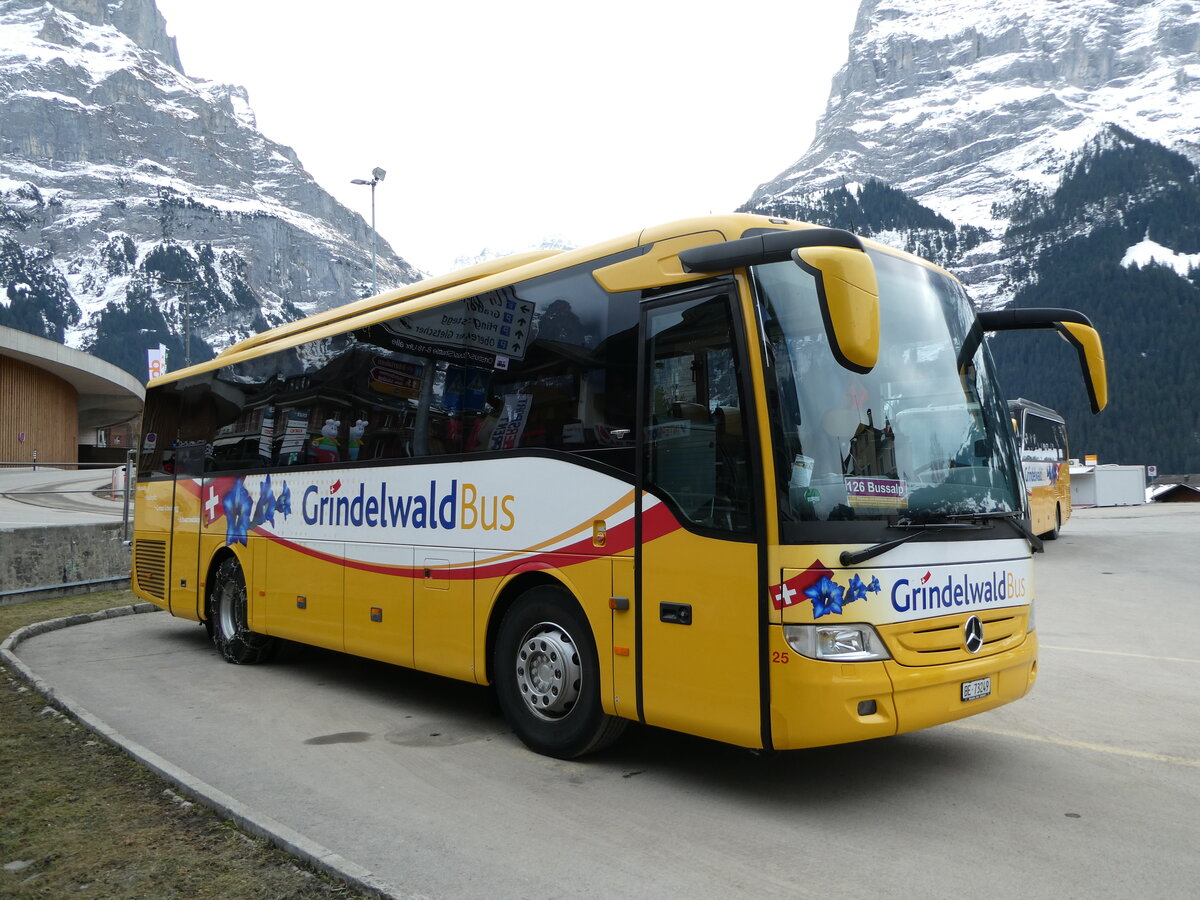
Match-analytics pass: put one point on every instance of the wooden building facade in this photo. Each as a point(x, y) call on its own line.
point(39, 413)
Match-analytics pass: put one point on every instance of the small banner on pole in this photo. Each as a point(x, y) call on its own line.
point(156, 359)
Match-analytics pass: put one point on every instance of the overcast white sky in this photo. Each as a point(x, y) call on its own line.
point(503, 123)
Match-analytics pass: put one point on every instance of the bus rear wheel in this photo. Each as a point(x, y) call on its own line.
point(1052, 535)
point(226, 611)
point(548, 678)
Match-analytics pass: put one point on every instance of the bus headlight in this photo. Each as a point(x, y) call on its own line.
point(837, 643)
point(1032, 618)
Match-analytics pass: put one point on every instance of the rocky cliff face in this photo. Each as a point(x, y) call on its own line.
point(967, 105)
point(1119, 239)
point(120, 174)
point(1046, 153)
point(961, 102)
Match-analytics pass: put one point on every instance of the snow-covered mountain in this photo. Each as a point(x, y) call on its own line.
point(967, 105)
point(962, 102)
point(556, 242)
point(120, 174)
point(1045, 151)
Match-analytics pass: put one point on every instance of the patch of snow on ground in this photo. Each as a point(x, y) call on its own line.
point(1149, 252)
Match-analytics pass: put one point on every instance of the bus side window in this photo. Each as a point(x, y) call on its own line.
point(572, 387)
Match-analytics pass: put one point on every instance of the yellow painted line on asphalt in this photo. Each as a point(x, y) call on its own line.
point(1081, 745)
point(1120, 653)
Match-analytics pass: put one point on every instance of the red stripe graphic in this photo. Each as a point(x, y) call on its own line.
point(657, 521)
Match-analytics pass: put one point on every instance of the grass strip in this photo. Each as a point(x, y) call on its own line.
point(79, 818)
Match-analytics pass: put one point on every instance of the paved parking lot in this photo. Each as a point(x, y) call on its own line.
point(1090, 787)
point(33, 498)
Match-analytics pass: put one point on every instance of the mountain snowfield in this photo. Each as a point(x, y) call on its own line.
point(962, 102)
point(554, 242)
point(1148, 252)
point(1046, 153)
point(119, 172)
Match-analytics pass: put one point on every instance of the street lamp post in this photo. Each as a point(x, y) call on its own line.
point(377, 175)
point(187, 316)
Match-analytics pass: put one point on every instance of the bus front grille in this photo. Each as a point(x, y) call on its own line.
point(931, 642)
point(150, 567)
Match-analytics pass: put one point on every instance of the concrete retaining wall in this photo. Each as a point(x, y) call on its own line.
point(68, 558)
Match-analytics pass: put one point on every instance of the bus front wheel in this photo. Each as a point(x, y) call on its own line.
point(548, 679)
point(227, 618)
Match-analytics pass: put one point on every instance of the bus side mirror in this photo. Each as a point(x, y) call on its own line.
point(849, 298)
point(845, 276)
point(1075, 328)
point(1086, 341)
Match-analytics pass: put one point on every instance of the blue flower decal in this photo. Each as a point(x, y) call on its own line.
point(873, 587)
point(856, 590)
point(826, 596)
point(238, 505)
point(264, 511)
point(284, 503)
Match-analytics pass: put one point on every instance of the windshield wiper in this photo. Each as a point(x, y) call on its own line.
point(854, 557)
point(926, 525)
point(1012, 517)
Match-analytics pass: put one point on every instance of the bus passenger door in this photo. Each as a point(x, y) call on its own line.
point(184, 586)
point(698, 552)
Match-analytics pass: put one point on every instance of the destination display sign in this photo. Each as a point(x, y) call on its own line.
point(862, 491)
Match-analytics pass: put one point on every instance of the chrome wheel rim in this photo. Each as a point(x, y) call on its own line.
point(227, 611)
point(549, 674)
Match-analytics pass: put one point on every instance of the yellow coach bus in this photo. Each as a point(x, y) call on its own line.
point(1045, 465)
point(740, 477)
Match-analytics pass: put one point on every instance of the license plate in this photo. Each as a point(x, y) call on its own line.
point(975, 690)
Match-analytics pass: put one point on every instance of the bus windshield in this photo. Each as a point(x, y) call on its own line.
point(923, 436)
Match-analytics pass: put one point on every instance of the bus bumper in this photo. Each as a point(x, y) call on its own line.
point(932, 695)
point(817, 703)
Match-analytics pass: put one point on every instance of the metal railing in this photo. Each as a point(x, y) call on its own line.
point(36, 464)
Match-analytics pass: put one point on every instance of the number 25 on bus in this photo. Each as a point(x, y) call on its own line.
point(740, 477)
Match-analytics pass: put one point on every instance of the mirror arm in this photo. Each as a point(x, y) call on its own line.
point(775, 246)
point(1021, 319)
point(1043, 317)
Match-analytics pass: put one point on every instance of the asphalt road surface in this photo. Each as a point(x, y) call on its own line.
point(31, 498)
point(1089, 787)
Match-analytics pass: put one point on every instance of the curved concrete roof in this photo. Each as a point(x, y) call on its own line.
point(107, 395)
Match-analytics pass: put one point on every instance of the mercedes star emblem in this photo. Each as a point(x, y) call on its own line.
point(973, 634)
